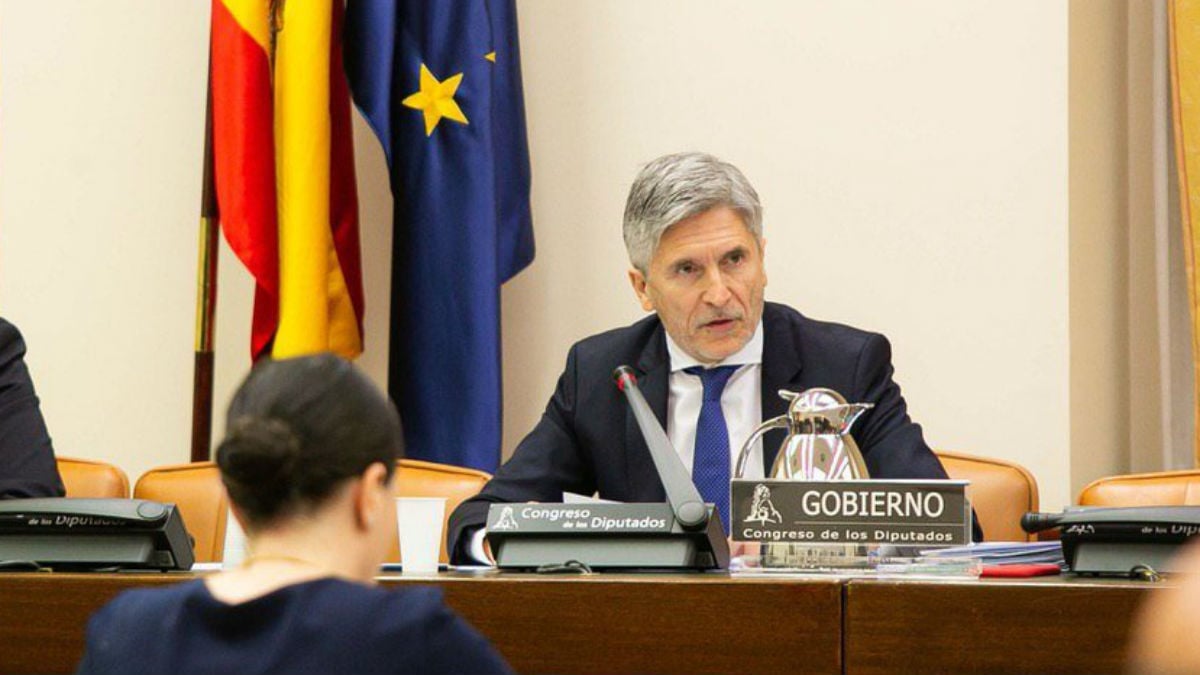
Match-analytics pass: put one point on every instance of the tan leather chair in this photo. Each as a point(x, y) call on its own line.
point(196, 489)
point(88, 478)
point(1163, 488)
point(197, 492)
point(1000, 491)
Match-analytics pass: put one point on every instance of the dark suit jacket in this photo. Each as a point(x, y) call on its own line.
point(588, 441)
point(27, 466)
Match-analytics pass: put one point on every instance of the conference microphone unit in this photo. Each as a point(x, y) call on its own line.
point(93, 534)
point(1120, 541)
point(682, 533)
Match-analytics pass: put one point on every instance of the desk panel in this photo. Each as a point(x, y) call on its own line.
point(656, 624)
point(43, 616)
point(1044, 626)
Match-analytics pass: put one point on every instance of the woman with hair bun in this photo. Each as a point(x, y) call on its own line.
point(308, 460)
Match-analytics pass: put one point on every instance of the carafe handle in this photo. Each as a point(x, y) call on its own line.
point(780, 422)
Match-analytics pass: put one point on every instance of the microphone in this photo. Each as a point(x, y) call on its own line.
point(685, 500)
point(1036, 522)
point(1121, 541)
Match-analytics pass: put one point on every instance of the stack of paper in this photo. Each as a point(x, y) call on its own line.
point(1004, 552)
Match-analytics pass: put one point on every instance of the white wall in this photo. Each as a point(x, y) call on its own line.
point(912, 158)
point(101, 120)
point(1104, 255)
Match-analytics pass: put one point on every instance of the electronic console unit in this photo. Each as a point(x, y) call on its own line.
point(93, 534)
point(1120, 540)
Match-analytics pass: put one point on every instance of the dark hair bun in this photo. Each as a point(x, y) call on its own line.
point(297, 429)
point(258, 460)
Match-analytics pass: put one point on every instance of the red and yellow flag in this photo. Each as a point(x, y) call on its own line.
point(284, 163)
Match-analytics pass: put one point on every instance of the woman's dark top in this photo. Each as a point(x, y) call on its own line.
point(322, 626)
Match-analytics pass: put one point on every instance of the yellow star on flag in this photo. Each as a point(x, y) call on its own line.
point(436, 100)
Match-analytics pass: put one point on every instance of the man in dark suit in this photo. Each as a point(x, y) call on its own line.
point(710, 362)
point(27, 466)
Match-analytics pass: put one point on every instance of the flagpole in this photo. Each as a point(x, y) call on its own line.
point(206, 296)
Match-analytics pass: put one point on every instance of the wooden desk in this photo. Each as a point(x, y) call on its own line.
point(608, 624)
point(1046, 625)
point(710, 623)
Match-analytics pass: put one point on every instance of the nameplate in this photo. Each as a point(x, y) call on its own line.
point(901, 512)
point(580, 518)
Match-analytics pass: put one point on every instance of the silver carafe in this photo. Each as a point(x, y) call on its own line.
point(818, 447)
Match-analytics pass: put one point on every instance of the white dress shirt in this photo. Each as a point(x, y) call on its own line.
point(741, 401)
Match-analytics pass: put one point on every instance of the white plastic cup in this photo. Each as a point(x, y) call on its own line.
point(420, 520)
point(235, 543)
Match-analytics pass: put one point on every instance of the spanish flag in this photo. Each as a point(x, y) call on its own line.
point(283, 159)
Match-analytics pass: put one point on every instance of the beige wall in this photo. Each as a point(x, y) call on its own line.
point(101, 109)
point(912, 158)
point(1130, 385)
point(1100, 251)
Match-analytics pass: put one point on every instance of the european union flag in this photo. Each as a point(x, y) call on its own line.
point(440, 83)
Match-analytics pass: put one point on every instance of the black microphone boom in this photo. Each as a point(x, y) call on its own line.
point(1034, 522)
point(682, 494)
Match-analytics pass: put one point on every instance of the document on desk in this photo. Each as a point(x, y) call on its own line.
point(1004, 552)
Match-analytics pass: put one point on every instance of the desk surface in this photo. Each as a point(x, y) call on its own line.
point(707, 623)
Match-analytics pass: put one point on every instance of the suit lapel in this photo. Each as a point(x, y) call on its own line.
point(653, 372)
point(780, 370)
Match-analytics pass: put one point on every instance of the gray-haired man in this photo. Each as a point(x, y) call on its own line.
point(709, 361)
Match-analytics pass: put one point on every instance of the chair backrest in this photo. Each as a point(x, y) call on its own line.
point(1163, 488)
point(196, 490)
point(1000, 491)
point(428, 479)
point(88, 478)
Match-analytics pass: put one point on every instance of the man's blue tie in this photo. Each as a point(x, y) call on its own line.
point(710, 461)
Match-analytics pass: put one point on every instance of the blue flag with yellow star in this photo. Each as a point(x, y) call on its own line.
point(440, 83)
